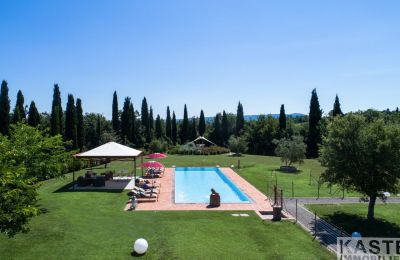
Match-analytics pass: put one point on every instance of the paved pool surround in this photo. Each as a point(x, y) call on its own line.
point(258, 201)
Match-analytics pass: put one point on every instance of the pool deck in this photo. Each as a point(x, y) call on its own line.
point(259, 202)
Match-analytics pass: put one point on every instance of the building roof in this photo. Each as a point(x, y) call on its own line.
point(110, 150)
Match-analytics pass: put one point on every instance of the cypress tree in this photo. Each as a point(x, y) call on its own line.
point(80, 131)
point(70, 122)
point(132, 122)
point(56, 112)
point(337, 111)
point(239, 119)
point(98, 130)
point(125, 121)
point(115, 114)
point(33, 116)
point(282, 121)
point(174, 130)
point(151, 125)
point(224, 128)
point(145, 119)
point(184, 131)
point(19, 110)
point(168, 125)
point(193, 130)
point(314, 135)
point(216, 133)
point(4, 109)
point(159, 130)
point(202, 123)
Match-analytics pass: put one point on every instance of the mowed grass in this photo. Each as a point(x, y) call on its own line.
point(93, 225)
point(353, 217)
point(258, 170)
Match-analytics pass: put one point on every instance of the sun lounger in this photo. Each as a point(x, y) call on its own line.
point(141, 195)
point(147, 191)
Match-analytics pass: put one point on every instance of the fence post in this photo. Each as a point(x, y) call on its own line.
point(281, 198)
point(318, 190)
point(292, 189)
point(315, 224)
point(296, 210)
point(275, 196)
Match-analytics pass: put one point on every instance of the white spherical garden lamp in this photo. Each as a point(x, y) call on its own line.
point(140, 246)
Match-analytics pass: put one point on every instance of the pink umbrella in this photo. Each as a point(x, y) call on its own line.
point(152, 164)
point(156, 155)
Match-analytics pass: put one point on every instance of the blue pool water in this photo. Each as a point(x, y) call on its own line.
point(193, 185)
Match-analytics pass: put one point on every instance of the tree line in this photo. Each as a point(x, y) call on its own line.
point(139, 128)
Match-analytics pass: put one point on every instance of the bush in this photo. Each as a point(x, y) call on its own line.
point(192, 149)
point(158, 146)
point(237, 145)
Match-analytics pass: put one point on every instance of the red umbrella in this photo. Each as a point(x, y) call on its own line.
point(156, 155)
point(152, 164)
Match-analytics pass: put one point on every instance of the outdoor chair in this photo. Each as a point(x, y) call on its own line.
point(99, 181)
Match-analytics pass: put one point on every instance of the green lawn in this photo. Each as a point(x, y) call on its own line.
point(257, 170)
point(92, 225)
point(352, 217)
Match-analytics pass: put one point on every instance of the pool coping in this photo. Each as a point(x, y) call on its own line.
point(259, 202)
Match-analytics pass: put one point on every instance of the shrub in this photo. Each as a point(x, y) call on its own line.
point(237, 145)
point(158, 146)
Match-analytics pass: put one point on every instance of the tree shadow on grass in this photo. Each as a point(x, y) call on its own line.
point(68, 188)
point(351, 223)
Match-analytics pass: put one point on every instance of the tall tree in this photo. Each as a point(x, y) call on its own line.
point(132, 122)
point(337, 111)
point(224, 128)
point(19, 110)
point(362, 155)
point(4, 109)
point(193, 130)
point(145, 120)
point(239, 119)
point(158, 129)
point(56, 112)
point(174, 130)
point(168, 125)
point(184, 131)
point(115, 113)
point(282, 121)
point(215, 135)
point(314, 133)
point(202, 123)
point(126, 121)
point(33, 116)
point(98, 129)
point(80, 131)
point(70, 122)
point(151, 124)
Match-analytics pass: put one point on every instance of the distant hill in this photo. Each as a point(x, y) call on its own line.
point(255, 117)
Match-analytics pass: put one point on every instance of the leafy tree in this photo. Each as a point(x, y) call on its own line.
point(158, 146)
point(237, 145)
point(362, 156)
point(337, 111)
point(159, 130)
point(4, 109)
point(202, 123)
point(184, 131)
point(109, 136)
point(239, 120)
point(291, 150)
point(260, 135)
point(215, 135)
point(174, 130)
point(314, 134)
point(56, 112)
point(19, 110)
point(224, 129)
point(33, 116)
point(26, 157)
point(126, 121)
point(115, 113)
point(70, 122)
point(282, 121)
point(99, 129)
point(80, 131)
point(193, 130)
point(94, 125)
point(168, 125)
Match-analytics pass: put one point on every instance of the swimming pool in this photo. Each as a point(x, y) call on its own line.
point(193, 185)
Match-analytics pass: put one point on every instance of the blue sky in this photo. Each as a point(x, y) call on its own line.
point(208, 54)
